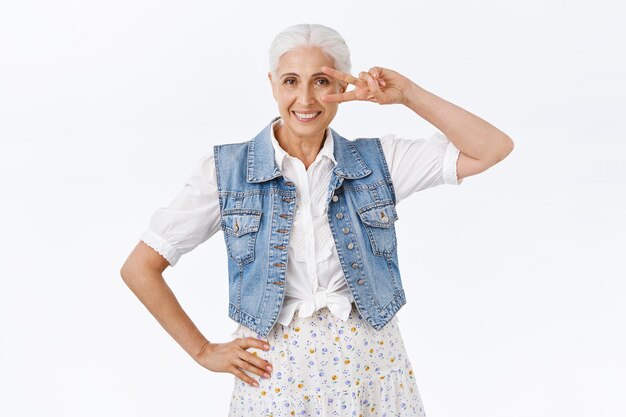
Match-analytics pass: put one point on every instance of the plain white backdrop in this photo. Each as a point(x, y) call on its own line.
point(514, 279)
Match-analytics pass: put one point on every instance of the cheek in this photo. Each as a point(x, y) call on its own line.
point(331, 108)
point(284, 100)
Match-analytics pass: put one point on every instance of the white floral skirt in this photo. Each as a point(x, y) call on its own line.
point(324, 366)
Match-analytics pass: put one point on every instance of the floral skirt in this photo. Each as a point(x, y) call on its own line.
point(324, 366)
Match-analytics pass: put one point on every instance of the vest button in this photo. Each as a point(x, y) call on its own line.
point(289, 183)
point(355, 265)
point(345, 230)
point(361, 282)
point(335, 198)
point(350, 245)
point(339, 216)
point(287, 200)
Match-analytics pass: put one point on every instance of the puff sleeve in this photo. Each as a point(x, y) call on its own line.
point(191, 218)
point(418, 164)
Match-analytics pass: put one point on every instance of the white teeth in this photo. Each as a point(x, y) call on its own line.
point(306, 115)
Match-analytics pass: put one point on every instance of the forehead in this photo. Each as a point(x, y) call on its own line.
point(303, 61)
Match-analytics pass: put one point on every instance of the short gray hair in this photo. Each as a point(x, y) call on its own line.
point(328, 39)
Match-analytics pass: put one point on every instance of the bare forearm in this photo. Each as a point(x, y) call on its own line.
point(152, 290)
point(469, 133)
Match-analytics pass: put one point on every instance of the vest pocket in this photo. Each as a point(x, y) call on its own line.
point(378, 219)
point(240, 227)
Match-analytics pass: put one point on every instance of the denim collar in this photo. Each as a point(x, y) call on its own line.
point(262, 163)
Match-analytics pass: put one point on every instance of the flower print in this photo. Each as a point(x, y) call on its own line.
point(310, 360)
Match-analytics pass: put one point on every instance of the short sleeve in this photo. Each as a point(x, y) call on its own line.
point(191, 218)
point(418, 164)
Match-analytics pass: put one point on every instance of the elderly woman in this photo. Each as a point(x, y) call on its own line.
point(308, 219)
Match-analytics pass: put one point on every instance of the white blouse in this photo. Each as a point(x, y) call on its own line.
point(314, 278)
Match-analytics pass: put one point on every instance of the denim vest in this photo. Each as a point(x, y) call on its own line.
point(257, 206)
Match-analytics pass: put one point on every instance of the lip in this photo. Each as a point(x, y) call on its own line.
point(306, 112)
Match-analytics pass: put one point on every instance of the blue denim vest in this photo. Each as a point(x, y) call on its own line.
point(257, 206)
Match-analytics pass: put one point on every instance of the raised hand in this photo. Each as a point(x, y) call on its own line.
point(234, 357)
point(379, 85)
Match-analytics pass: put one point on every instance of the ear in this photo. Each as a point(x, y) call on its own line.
point(269, 76)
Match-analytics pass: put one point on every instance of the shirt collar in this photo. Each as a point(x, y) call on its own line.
point(262, 167)
point(280, 154)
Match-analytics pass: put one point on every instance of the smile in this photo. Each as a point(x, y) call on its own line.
point(306, 117)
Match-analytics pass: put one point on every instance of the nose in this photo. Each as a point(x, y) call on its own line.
point(307, 95)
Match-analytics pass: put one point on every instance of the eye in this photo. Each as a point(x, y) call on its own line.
point(322, 81)
point(290, 81)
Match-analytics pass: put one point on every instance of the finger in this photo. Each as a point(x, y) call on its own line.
point(244, 377)
point(339, 98)
point(252, 356)
point(377, 73)
point(248, 342)
point(363, 78)
point(374, 88)
point(255, 360)
point(340, 75)
point(248, 367)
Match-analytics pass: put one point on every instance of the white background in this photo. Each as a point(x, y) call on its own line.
point(514, 282)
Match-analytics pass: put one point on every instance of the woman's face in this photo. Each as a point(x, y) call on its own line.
point(297, 88)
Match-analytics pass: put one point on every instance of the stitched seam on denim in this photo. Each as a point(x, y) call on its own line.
point(371, 186)
point(386, 172)
point(261, 191)
point(216, 151)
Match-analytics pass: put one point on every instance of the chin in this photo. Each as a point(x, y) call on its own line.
point(305, 129)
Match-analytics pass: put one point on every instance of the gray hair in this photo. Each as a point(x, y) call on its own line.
point(329, 40)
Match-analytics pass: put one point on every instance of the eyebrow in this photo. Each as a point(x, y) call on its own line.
point(317, 74)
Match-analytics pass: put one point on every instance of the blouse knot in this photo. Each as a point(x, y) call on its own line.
point(338, 304)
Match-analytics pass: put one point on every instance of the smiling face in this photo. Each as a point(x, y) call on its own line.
point(297, 87)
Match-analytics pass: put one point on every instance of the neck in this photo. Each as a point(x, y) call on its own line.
point(305, 148)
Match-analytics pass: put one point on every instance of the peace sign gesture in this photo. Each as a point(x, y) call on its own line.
point(379, 85)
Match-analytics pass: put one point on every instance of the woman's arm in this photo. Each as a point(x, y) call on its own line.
point(143, 273)
point(481, 144)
